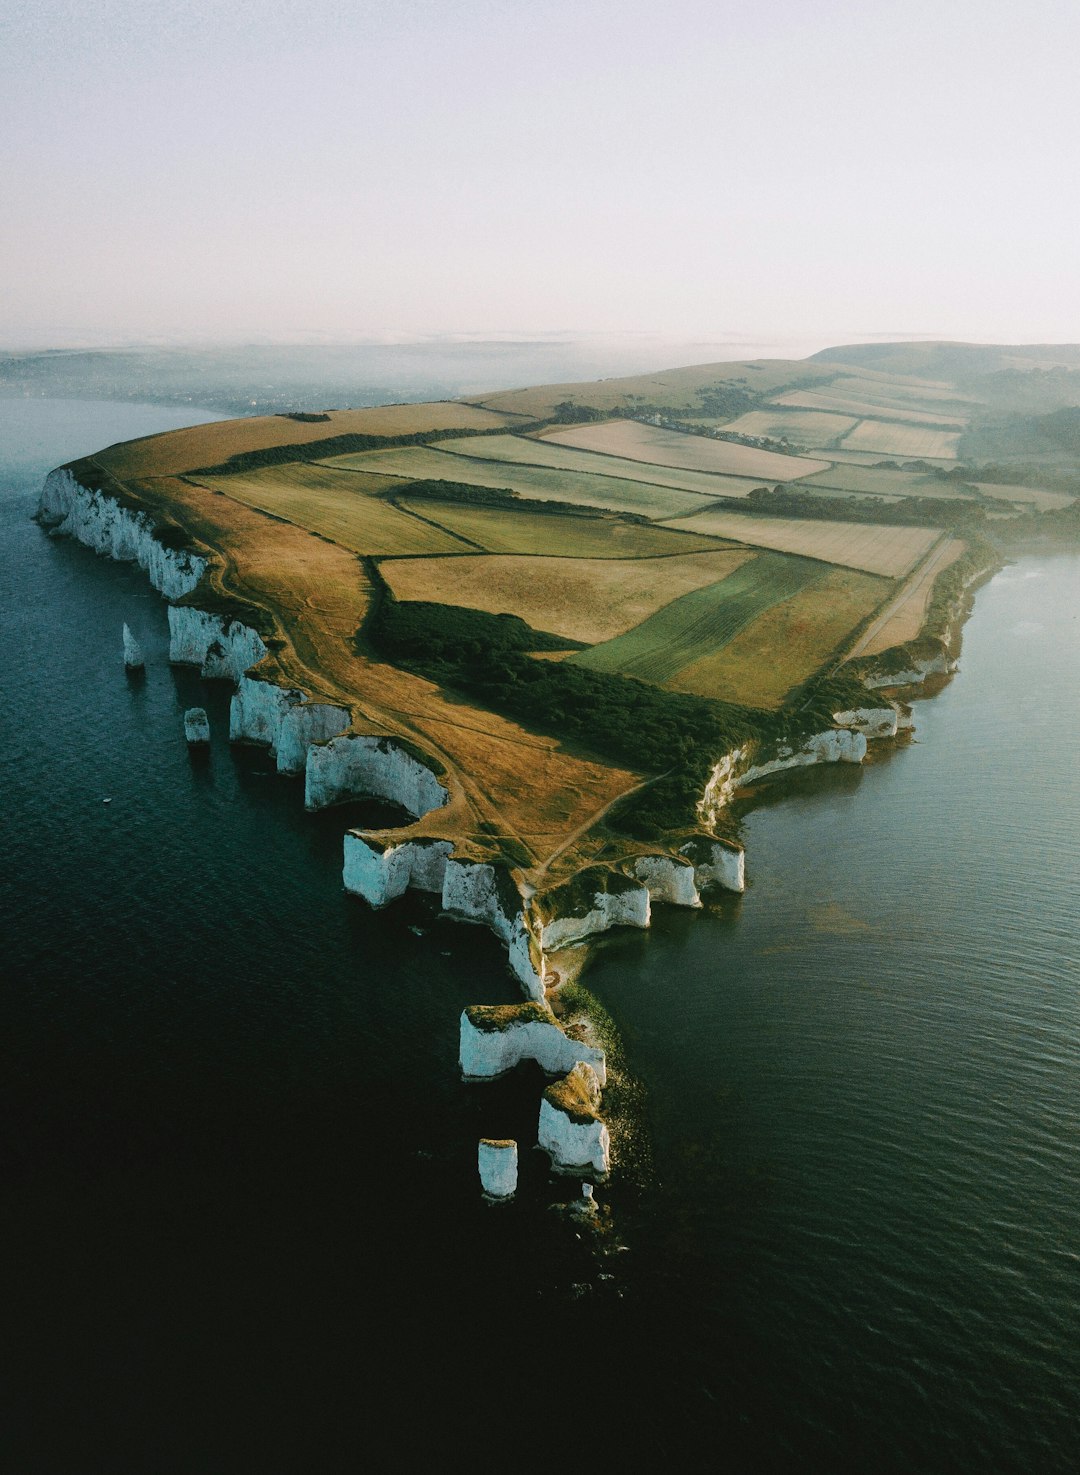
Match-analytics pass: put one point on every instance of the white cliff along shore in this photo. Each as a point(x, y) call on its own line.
point(312, 738)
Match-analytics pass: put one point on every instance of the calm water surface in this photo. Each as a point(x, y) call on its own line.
point(240, 1213)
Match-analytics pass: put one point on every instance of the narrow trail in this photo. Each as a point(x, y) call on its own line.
point(919, 573)
point(593, 819)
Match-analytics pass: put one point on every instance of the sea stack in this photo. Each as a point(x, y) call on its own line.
point(196, 727)
point(498, 1162)
point(571, 1132)
point(133, 656)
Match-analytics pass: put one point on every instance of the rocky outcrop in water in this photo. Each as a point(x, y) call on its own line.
point(570, 1129)
point(196, 726)
point(133, 656)
point(497, 1160)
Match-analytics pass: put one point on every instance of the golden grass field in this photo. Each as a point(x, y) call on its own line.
point(693, 452)
point(339, 505)
point(537, 483)
point(907, 441)
point(787, 643)
point(812, 428)
point(539, 451)
point(876, 549)
point(518, 530)
point(588, 599)
point(842, 404)
point(701, 599)
point(521, 784)
point(903, 617)
point(178, 451)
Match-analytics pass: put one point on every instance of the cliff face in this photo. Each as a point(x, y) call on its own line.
point(922, 667)
point(221, 647)
point(101, 523)
point(282, 719)
point(833, 745)
point(570, 1130)
point(346, 766)
point(493, 1039)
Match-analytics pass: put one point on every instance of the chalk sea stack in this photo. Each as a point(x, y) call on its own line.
point(196, 727)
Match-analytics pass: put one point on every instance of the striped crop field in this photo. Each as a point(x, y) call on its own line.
point(875, 548)
point(532, 450)
point(802, 427)
point(519, 530)
point(702, 622)
point(789, 642)
point(878, 481)
point(913, 393)
point(337, 506)
point(903, 440)
point(845, 404)
point(689, 452)
point(586, 599)
point(537, 483)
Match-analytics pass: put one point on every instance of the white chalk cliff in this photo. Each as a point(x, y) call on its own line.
point(67, 507)
point(497, 1160)
point(494, 1038)
point(570, 1131)
point(196, 726)
point(133, 656)
point(345, 766)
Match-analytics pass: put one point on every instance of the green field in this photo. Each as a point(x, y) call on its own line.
point(336, 505)
point(878, 482)
point(539, 484)
point(702, 622)
point(517, 530)
point(522, 450)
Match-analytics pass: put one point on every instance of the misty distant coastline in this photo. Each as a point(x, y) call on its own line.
point(251, 379)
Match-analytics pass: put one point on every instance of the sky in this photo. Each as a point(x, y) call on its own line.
point(745, 171)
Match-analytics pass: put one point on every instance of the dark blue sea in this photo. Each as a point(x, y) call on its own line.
point(241, 1227)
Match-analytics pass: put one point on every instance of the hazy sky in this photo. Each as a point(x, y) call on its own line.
point(761, 168)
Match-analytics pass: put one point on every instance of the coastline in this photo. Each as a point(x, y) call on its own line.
point(537, 925)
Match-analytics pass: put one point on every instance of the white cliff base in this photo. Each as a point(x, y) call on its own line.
point(570, 1131)
point(282, 719)
point(667, 879)
point(717, 863)
point(915, 674)
point(872, 722)
point(495, 1038)
point(498, 1164)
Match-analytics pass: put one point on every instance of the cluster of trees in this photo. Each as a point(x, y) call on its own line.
point(673, 735)
point(331, 445)
point(788, 501)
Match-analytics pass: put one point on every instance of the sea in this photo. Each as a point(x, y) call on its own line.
point(241, 1221)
